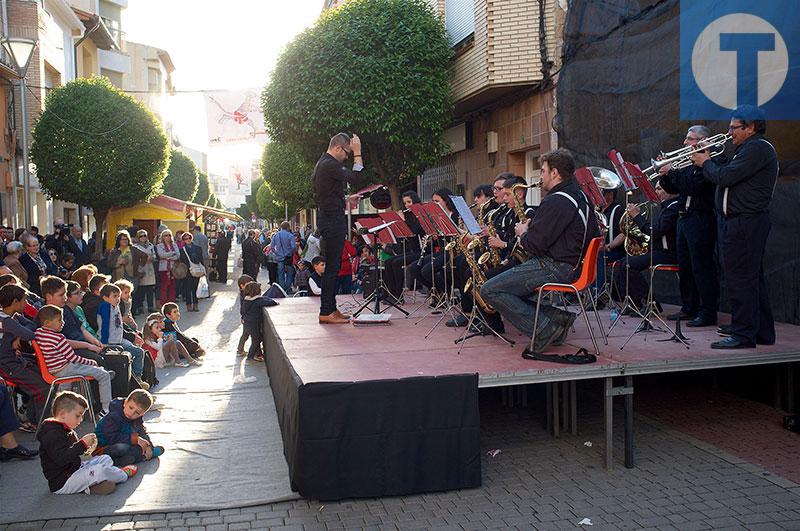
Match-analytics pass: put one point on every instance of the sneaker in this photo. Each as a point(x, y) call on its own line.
point(144, 385)
point(102, 413)
point(130, 470)
point(158, 451)
point(103, 488)
point(182, 364)
point(111, 373)
point(241, 353)
point(724, 330)
point(458, 322)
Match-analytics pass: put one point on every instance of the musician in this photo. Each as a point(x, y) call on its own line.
point(556, 240)
point(745, 186)
point(662, 246)
point(511, 217)
point(696, 237)
point(394, 274)
point(614, 247)
point(434, 275)
point(329, 177)
point(482, 195)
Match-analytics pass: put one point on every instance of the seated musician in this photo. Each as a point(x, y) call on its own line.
point(515, 204)
point(662, 246)
point(393, 273)
point(556, 240)
point(431, 271)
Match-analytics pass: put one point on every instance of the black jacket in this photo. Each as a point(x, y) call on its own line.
point(328, 181)
point(665, 227)
point(81, 251)
point(222, 246)
point(558, 230)
point(251, 309)
point(695, 193)
point(251, 251)
point(34, 274)
point(60, 452)
point(90, 304)
point(745, 184)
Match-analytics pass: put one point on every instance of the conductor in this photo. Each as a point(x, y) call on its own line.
point(329, 177)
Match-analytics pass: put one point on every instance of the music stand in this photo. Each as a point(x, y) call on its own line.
point(431, 234)
point(401, 230)
point(651, 310)
point(377, 233)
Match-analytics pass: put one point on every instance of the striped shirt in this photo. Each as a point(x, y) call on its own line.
point(57, 352)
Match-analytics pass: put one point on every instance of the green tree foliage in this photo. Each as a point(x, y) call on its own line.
point(269, 207)
point(250, 200)
point(182, 178)
point(288, 175)
point(203, 189)
point(98, 147)
point(218, 203)
point(375, 67)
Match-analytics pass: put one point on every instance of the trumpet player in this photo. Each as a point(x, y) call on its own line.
point(745, 186)
point(556, 240)
point(696, 236)
point(662, 246)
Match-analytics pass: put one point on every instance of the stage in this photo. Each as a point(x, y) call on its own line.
point(380, 410)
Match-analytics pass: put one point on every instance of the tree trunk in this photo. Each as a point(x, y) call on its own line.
point(100, 220)
point(394, 192)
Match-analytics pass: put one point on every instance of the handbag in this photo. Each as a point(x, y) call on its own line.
point(179, 270)
point(202, 288)
point(196, 270)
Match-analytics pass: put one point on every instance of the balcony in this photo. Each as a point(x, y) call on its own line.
point(114, 61)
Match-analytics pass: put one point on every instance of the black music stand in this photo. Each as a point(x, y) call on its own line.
point(375, 236)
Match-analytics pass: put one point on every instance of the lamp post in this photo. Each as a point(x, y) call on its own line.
point(21, 51)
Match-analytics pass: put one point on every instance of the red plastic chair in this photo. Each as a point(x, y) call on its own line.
point(54, 381)
point(582, 284)
point(669, 268)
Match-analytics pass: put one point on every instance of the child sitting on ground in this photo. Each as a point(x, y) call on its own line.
point(60, 451)
point(302, 276)
point(252, 317)
point(315, 280)
point(109, 322)
point(60, 357)
point(167, 352)
point(242, 282)
point(121, 434)
point(172, 315)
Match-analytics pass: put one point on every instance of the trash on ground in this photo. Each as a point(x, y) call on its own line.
point(493, 453)
point(585, 521)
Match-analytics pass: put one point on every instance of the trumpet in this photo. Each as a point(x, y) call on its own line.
point(682, 158)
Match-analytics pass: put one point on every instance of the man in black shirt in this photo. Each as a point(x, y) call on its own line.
point(696, 237)
point(330, 174)
point(556, 240)
point(744, 190)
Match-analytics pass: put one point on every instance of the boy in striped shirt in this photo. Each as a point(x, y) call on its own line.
point(60, 357)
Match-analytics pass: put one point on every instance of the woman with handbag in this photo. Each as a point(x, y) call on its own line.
point(169, 268)
point(121, 259)
point(192, 256)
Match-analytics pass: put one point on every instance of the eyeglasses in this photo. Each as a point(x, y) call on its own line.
point(735, 127)
point(497, 188)
point(186, 239)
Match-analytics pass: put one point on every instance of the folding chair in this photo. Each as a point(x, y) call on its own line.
point(669, 268)
point(54, 382)
point(582, 284)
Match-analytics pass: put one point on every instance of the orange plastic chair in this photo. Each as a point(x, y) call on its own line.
point(582, 284)
point(669, 268)
point(54, 381)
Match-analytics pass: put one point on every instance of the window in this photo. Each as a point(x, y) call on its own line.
point(153, 80)
point(459, 19)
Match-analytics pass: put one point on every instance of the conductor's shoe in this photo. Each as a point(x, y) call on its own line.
point(332, 319)
point(731, 343)
point(680, 315)
point(459, 321)
point(341, 315)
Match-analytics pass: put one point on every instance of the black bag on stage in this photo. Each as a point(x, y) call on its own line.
point(149, 371)
point(120, 363)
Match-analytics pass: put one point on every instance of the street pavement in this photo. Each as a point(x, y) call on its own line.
point(688, 474)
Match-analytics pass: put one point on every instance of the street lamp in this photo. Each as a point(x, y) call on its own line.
point(21, 51)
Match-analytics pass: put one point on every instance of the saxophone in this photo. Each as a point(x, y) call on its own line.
point(518, 252)
point(493, 256)
point(637, 242)
point(478, 278)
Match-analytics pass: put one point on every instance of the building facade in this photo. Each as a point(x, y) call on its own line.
point(505, 57)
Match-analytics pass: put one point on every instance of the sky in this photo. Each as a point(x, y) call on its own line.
point(216, 45)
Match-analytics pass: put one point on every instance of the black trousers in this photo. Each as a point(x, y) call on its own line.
point(333, 227)
point(435, 276)
point(638, 286)
point(743, 240)
point(222, 268)
point(699, 282)
point(463, 272)
point(393, 273)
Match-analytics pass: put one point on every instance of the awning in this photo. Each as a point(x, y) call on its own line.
point(218, 212)
point(100, 35)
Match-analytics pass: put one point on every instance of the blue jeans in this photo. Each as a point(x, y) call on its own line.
point(285, 276)
point(510, 292)
point(137, 356)
point(120, 451)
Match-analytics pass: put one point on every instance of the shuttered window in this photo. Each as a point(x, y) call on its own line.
point(459, 19)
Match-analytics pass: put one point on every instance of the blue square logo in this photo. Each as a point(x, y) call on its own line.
point(738, 52)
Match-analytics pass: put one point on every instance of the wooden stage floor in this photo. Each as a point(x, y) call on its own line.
point(345, 353)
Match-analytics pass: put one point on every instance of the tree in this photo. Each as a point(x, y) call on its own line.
point(218, 203)
point(98, 147)
point(250, 200)
point(288, 175)
point(375, 67)
point(203, 189)
point(269, 207)
point(182, 178)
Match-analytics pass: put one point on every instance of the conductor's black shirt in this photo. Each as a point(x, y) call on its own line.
point(328, 181)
